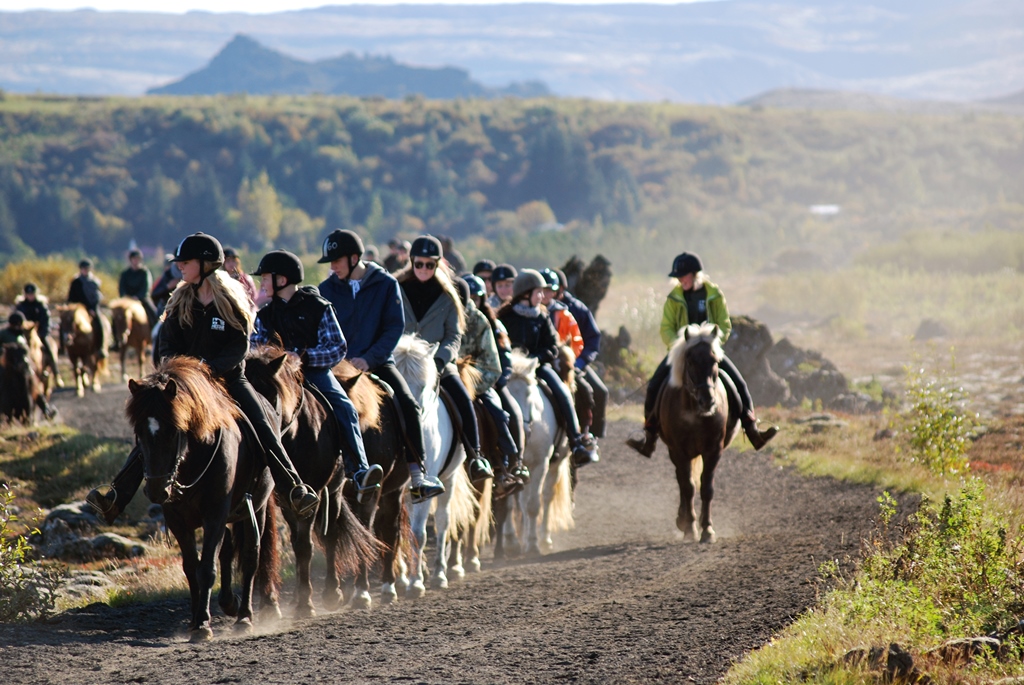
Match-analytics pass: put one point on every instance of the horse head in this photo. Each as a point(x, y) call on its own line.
point(694, 357)
point(414, 359)
point(161, 441)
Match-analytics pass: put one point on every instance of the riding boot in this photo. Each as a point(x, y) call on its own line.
point(584, 450)
point(758, 438)
point(519, 469)
point(645, 445)
point(479, 468)
point(422, 486)
point(506, 483)
point(110, 504)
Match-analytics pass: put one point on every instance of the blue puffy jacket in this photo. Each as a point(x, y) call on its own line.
point(588, 329)
point(373, 320)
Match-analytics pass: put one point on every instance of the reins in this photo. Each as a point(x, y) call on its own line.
point(177, 487)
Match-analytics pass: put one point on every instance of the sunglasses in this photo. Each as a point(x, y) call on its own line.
point(429, 265)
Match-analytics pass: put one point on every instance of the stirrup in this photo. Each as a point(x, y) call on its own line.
point(104, 506)
point(306, 503)
point(368, 482)
point(479, 470)
point(425, 487)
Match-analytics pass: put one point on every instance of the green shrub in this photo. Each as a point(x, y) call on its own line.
point(937, 425)
point(25, 592)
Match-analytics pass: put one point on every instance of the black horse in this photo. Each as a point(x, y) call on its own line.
point(206, 472)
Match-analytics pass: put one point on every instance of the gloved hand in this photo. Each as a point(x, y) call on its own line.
point(580, 364)
point(503, 378)
point(439, 363)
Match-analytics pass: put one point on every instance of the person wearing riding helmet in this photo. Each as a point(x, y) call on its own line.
point(136, 282)
point(483, 270)
point(305, 324)
point(479, 345)
point(433, 312)
point(696, 300)
point(530, 327)
point(15, 333)
point(502, 279)
point(210, 319)
point(591, 334)
point(85, 290)
point(368, 305)
point(35, 308)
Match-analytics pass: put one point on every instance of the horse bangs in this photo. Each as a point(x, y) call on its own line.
point(201, 406)
point(690, 337)
point(81, 319)
point(523, 366)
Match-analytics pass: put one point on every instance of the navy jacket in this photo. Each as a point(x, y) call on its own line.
point(588, 329)
point(373, 320)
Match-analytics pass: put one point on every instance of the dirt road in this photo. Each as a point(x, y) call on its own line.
point(622, 599)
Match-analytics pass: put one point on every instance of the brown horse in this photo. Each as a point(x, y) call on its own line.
point(313, 440)
point(78, 340)
point(130, 327)
point(696, 423)
point(21, 386)
point(205, 472)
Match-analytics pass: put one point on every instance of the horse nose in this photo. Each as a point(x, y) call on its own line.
point(157, 490)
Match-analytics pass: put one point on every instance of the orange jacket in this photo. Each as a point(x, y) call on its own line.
point(568, 330)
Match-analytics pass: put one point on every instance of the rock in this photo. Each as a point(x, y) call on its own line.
point(929, 329)
point(78, 515)
point(747, 347)
point(962, 650)
point(59, 541)
point(885, 434)
point(896, 661)
point(114, 546)
point(899, 665)
point(823, 384)
point(855, 403)
point(90, 585)
point(590, 283)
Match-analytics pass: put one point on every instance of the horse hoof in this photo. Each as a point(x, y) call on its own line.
point(457, 571)
point(532, 552)
point(708, 536)
point(439, 582)
point(244, 626)
point(362, 600)
point(388, 593)
point(229, 605)
point(416, 590)
point(270, 614)
point(304, 611)
point(474, 565)
point(333, 600)
point(203, 633)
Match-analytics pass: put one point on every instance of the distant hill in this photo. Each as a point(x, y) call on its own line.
point(702, 52)
point(246, 66)
point(1015, 99)
point(835, 100)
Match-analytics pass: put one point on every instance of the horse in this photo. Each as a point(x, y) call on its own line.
point(130, 327)
point(455, 509)
point(313, 440)
point(205, 472)
point(696, 423)
point(78, 339)
point(545, 504)
point(21, 387)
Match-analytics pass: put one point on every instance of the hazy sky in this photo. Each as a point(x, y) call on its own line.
point(258, 6)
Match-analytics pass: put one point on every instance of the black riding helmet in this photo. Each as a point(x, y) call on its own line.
point(281, 263)
point(476, 285)
point(503, 272)
point(462, 288)
point(16, 320)
point(426, 246)
point(686, 263)
point(205, 248)
point(552, 279)
point(483, 265)
point(30, 288)
point(338, 244)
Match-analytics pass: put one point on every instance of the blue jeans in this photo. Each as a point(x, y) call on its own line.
point(345, 412)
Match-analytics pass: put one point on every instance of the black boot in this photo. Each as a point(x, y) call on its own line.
point(644, 445)
point(105, 505)
point(758, 438)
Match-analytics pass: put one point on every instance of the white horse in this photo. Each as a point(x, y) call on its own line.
point(456, 508)
point(545, 505)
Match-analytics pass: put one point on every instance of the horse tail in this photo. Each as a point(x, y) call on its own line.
point(405, 557)
point(485, 515)
point(356, 546)
point(462, 506)
point(269, 570)
point(560, 509)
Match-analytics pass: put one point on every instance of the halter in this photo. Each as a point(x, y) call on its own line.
point(177, 488)
point(692, 387)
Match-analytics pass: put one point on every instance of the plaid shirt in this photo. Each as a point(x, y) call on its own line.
point(331, 346)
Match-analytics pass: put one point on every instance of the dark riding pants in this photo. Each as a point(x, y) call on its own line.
point(563, 400)
point(598, 397)
point(515, 417)
point(410, 408)
point(492, 403)
point(451, 382)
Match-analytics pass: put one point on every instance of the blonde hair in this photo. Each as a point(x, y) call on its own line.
point(228, 297)
point(444, 276)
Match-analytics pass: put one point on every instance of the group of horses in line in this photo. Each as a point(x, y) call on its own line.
point(26, 379)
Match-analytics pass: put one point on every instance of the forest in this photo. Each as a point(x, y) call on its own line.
point(527, 180)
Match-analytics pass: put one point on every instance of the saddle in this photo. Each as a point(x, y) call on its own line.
point(460, 434)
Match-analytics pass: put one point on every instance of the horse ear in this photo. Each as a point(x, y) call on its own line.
point(171, 389)
point(133, 386)
point(718, 331)
point(686, 332)
point(276, 364)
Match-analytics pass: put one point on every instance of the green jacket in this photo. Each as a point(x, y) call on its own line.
point(478, 343)
point(674, 316)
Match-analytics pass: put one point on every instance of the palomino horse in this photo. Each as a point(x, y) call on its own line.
point(78, 339)
point(696, 423)
point(21, 388)
point(455, 509)
point(313, 440)
point(546, 502)
point(205, 472)
point(130, 327)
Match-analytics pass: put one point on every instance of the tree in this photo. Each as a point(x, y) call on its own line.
point(260, 210)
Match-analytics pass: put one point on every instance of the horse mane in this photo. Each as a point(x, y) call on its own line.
point(417, 358)
point(366, 395)
point(200, 406)
point(688, 338)
point(132, 308)
point(524, 366)
point(567, 367)
point(469, 374)
point(77, 315)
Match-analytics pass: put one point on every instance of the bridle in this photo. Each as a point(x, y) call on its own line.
point(177, 489)
point(693, 387)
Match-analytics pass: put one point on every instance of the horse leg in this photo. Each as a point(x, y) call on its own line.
point(302, 544)
point(249, 541)
point(270, 608)
point(420, 512)
point(388, 527)
point(78, 367)
point(206, 574)
point(531, 512)
point(124, 359)
point(186, 538)
point(442, 523)
point(686, 519)
point(226, 598)
point(707, 491)
point(501, 510)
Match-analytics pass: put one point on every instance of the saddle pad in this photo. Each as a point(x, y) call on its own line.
point(456, 418)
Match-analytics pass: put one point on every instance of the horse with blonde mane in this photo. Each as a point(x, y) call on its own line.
point(454, 510)
point(130, 327)
point(78, 340)
point(696, 423)
point(545, 505)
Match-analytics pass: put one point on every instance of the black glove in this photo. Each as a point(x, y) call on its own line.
point(440, 364)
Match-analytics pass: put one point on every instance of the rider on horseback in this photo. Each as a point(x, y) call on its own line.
point(85, 290)
point(36, 309)
point(368, 303)
point(211, 320)
point(479, 345)
point(136, 282)
point(530, 327)
point(433, 311)
point(305, 324)
point(696, 300)
point(16, 333)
